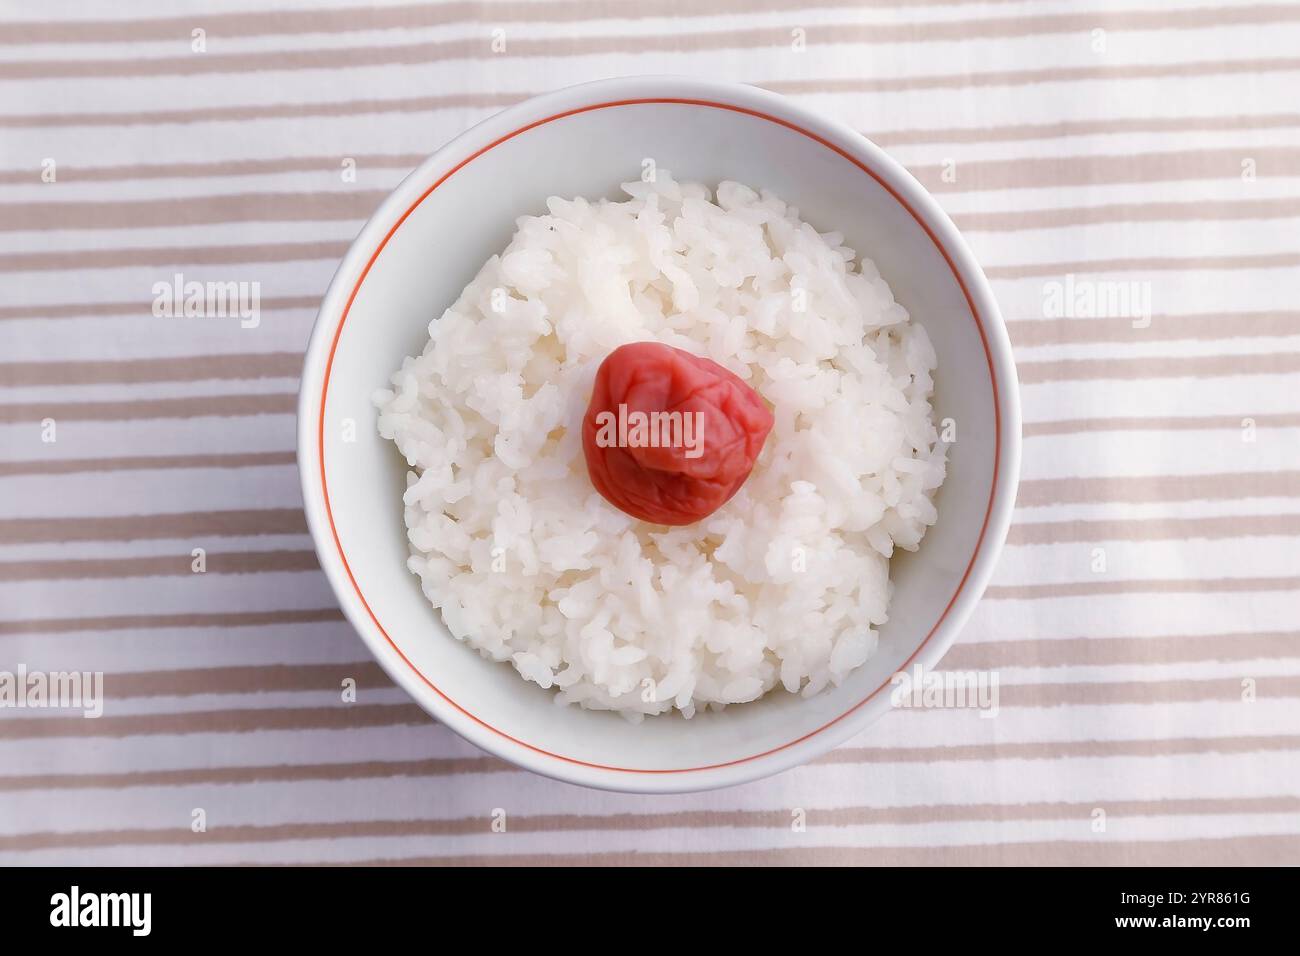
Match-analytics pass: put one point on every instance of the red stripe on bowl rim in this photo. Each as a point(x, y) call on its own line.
point(679, 101)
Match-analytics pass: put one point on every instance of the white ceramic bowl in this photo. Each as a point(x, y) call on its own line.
point(427, 241)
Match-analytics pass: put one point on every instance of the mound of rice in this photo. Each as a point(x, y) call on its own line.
point(786, 583)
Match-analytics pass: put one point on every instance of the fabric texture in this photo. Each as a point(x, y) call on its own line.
point(1128, 173)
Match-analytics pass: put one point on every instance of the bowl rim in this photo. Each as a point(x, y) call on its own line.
point(519, 119)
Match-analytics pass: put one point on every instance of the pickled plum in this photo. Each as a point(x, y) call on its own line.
point(669, 437)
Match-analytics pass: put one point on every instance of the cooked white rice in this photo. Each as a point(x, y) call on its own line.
point(787, 582)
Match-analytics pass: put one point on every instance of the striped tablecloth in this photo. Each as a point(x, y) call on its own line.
point(1142, 157)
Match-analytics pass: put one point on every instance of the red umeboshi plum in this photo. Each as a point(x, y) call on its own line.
point(668, 436)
